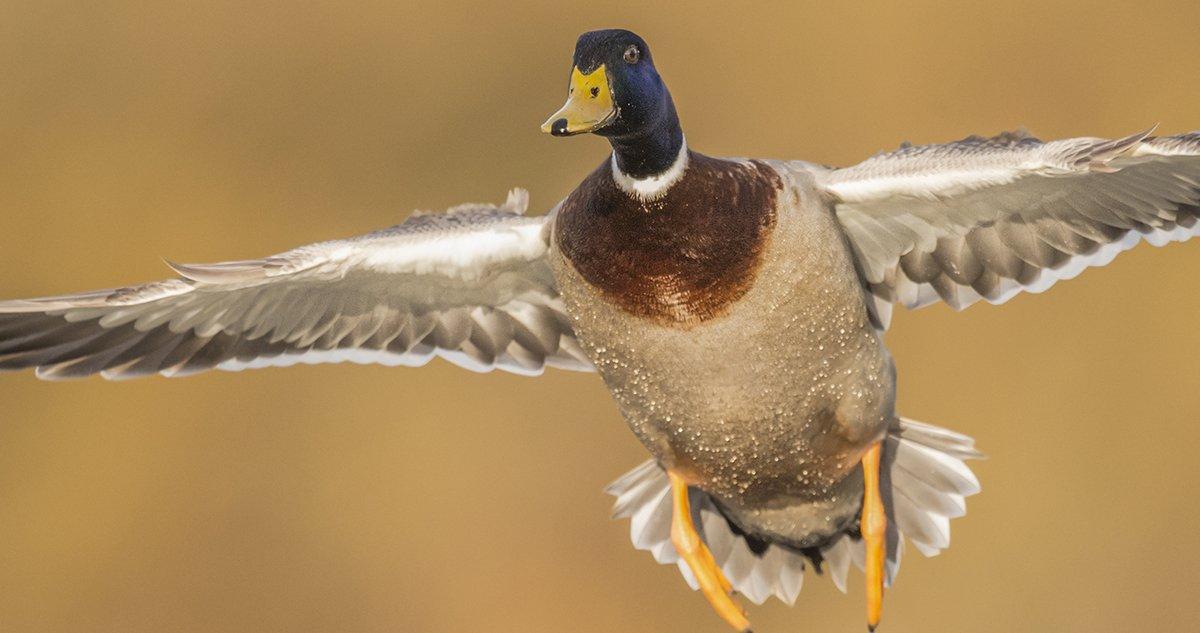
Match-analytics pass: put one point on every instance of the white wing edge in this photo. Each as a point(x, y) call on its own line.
point(912, 295)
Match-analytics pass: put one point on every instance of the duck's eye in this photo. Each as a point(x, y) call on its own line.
point(632, 54)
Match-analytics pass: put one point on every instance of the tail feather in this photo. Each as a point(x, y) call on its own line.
point(929, 482)
point(837, 558)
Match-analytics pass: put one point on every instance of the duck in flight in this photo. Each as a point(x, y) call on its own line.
point(735, 309)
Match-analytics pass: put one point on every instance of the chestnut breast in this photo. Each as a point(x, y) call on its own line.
point(682, 258)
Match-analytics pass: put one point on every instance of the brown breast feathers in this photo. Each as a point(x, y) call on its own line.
point(680, 259)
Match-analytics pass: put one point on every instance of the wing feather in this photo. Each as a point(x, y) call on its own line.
point(470, 285)
point(988, 218)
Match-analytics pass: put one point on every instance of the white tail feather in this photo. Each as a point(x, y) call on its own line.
point(930, 483)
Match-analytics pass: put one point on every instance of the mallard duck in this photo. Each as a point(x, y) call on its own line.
point(735, 309)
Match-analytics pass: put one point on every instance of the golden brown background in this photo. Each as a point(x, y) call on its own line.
point(348, 498)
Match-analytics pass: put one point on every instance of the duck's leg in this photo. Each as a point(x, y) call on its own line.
point(873, 526)
point(695, 553)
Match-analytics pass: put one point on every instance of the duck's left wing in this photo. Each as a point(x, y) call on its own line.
point(987, 218)
point(471, 285)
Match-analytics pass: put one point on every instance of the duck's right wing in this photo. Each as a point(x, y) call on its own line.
point(471, 285)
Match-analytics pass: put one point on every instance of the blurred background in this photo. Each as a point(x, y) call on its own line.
point(349, 498)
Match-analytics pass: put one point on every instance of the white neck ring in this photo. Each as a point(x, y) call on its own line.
point(652, 187)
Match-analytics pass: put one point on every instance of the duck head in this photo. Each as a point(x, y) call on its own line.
point(615, 92)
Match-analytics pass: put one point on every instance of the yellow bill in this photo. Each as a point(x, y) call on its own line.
point(589, 105)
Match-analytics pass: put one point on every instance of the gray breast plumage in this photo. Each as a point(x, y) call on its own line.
point(768, 405)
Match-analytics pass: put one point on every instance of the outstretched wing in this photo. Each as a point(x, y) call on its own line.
point(471, 285)
point(987, 218)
